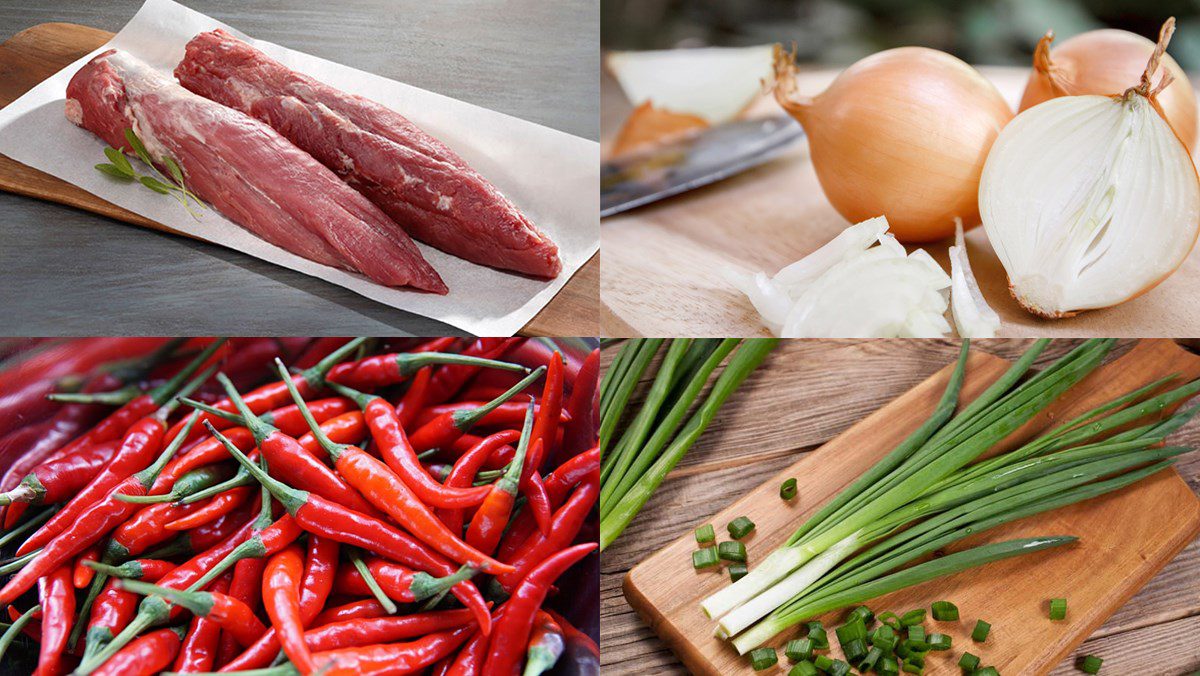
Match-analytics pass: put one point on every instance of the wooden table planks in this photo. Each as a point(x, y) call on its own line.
point(37, 52)
point(844, 381)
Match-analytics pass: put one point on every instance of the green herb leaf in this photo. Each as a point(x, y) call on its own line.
point(136, 144)
point(176, 172)
point(119, 161)
point(155, 184)
point(113, 171)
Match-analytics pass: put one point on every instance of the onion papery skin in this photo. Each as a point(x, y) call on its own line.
point(904, 133)
point(1107, 62)
point(1089, 201)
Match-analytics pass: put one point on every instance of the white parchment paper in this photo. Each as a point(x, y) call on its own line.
point(552, 176)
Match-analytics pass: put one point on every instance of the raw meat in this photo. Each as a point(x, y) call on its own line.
point(245, 169)
point(428, 189)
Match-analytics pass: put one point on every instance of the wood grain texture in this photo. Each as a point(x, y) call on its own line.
point(730, 461)
point(50, 282)
point(661, 262)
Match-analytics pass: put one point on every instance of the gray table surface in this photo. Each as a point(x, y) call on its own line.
point(70, 272)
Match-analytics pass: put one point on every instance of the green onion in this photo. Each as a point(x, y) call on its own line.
point(980, 633)
point(838, 668)
point(737, 571)
point(916, 634)
point(888, 667)
point(884, 637)
point(868, 663)
point(763, 658)
point(916, 659)
point(788, 489)
point(912, 618)
point(910, 668)
point(1058, 609)
point(855, 650)
point(968, 662)
point(732, 551)
point(944, 611)
point(705, 535)
point(988, 671)
point(940, 641)
point(804, 668)
point(862, 612)
point(799, 649)
point(740, 527)
point(1090, 664)
point(890, 619)
point(704, 558)
point(816, 632)
point(854, 629)
point(823, 662)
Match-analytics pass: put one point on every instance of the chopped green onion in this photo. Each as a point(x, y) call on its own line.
point(763, 658)
point(988, 671)
point(980, 633)
point(705, 535)
point(804, 668)
point(737, 571)
point(944, 611)
point(888, 667)
point(863, 612)
point(740, 527)
point(855, 629)
point(820, 639)
point(855, 650)
point(916, 634)
point(916, 659)
point(968, 662)
point(788, 490)
point(1058, 609)
point(884, 638)
point(799, 649)
point(823, 662)
point(1090, 664)
point(704, 558)
point(732, 551)
point(868, 663)
point(913, 669)
point(890, 619)
point(940, 642)
point(912, 617)
point(903, 649)
point(838, 668)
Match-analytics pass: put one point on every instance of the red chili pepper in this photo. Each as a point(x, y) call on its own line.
point(217, 507)
point(535, 493)
point(545, 422)
point(546, 644)
point(281, 596)
point(147, 655)
point(286, 419)
point(574, 635)
point(355, 631)
point(246, 586)
point(234, 616)
point(397, 582)
point(317, 515)
point(507, 643)
point(81, 575)
point(57, 597)
point(199, 649)
point(317, 350)
point(115, 607)
point(442, 344)
point(413, 401)
point(186, 486)
point(56, 480)
point(92, 523)
point(506, 415)
point(445, 428)
point(449, 379)
point(582, 430)
point(382, 488)
point(490, 519)
point(568, 520)
point(399, 455)
point(350, 611)
point(469, 661)
point(468, 465)
point(402, 658)
point(558, 485)
point(383, 370)
point(273, 395)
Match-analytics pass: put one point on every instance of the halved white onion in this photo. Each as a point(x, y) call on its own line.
point(973, 317)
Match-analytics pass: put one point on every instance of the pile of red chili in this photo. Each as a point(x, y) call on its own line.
point(294, 505)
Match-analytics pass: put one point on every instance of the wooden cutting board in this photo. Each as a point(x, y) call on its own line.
point(36, 53)
point(661, 262)
point(1125, 537)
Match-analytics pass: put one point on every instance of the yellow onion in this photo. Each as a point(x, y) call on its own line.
point(903, 133)
point(1104, 62)
point(1089, 200)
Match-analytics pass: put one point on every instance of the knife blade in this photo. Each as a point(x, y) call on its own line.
point(698, 160)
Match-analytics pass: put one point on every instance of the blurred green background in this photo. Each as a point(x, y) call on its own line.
point(839, 32)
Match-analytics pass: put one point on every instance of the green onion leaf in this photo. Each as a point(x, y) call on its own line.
point(737, 571)
point(838, 668)
point(887, 667)
point(988, 671)
point(912, 617)
point(740, 527)
point(823, 662)
point(968, 662)
point(862, 612)
point(1058, 609)
point(939, 641)
point(868, 663)
point(916, 634)
point(704, 558)
point(820, 639)
point(705, 535)
point(763, 658)
point(788, 490)
point(980, 633)
point(1090, 664)
point(732, 551)
point(799, 649)
point(804, 668)
point(884, 637)
point(855, 650)
point(944, 611)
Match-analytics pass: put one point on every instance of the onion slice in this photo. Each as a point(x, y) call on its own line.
point(973, 317)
